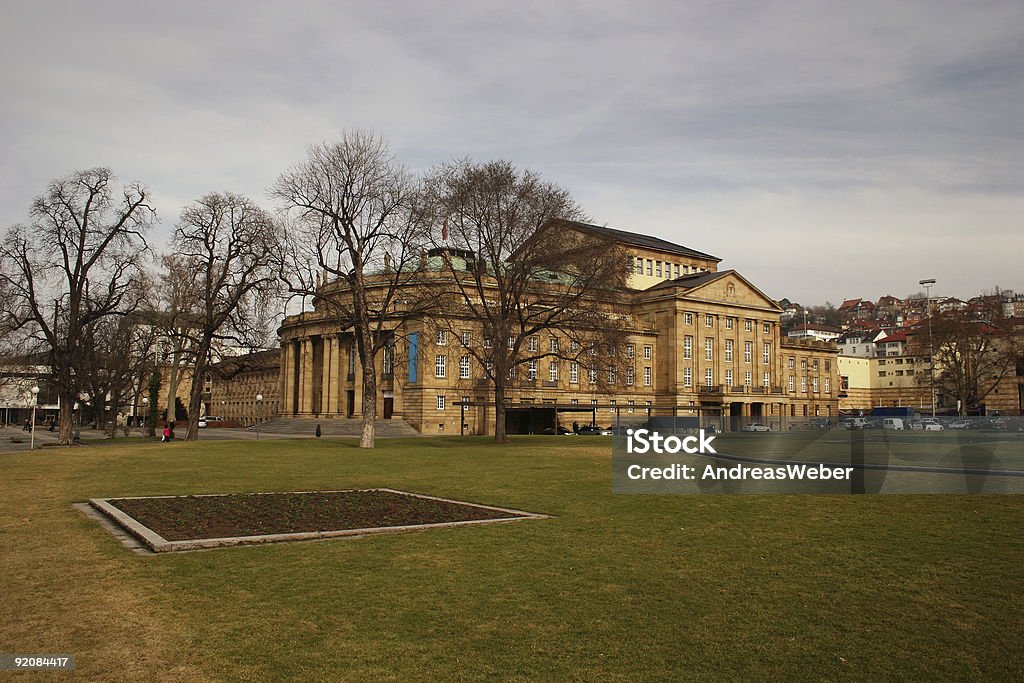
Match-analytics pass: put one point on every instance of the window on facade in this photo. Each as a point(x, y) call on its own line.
point(487, 342)
point(531, 370)
point(629, 406)
point(657, 268)
point(767, 328)
point(803, 364)
point(629, 375)
point(389, 360)
point(803, 385)
point(728, 323)
point(648, 352)
point(464, 367)
point(792, 384)
point(650, 267)
point(441, 366)
point(442, 337)
point(511, 343)
point(828, 366)
point(709, 348)
point(728, 378)
point(828, 389)
point(630, 350)
point(464, 338)
point(748, 352)
point(553, 371)
point(647, 376)
point(687, 318)
point(553, 345)
point(815, 365)
point(677, 269)
point(767, 379)
point(709, 321)
point(593, 373)
point(440, 402)
point(639, 266)
point(574, 372)
point(687, 377)
point(747, 379)
point(728, 350)
point(512, 372)
point(709, 378)
point(611, 375)
point(532, 344)
point(687, 348)
point(814, 385)
point(766, 354)
point(792, 363)
point(748, 325)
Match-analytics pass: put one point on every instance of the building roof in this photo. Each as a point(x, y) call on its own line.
point(637, 240)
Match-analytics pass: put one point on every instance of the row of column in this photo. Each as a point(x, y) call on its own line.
point(312, 370)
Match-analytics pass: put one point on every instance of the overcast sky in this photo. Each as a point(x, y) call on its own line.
point(823, 149)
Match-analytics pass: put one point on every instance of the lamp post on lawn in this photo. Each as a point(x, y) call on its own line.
point(927, 284)
point(145, 414)
point(259, 414)
point(35, 401)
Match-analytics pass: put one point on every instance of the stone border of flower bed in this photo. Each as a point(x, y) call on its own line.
point(158, 544)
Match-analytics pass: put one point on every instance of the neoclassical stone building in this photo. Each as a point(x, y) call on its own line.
point(703, 342)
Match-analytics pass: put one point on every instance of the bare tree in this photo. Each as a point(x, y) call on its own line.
point(72, 265)
point(974, 350)
point(176, 312)
point(355, 246)
point(232, 246)
point(520, 266)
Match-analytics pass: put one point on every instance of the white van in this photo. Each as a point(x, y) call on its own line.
point(855, 423)
point(892, 423)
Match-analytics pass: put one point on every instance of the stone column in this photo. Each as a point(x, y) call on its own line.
point(285, 380)
point(306, 377)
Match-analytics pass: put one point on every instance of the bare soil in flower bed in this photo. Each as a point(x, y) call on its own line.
point(202, 517)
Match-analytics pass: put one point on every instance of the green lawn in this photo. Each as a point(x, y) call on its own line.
point(613, 588)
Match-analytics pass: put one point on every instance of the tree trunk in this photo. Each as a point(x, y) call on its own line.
point(499, 412)
point(67, 407)
point(368, 437)
point(195, 396)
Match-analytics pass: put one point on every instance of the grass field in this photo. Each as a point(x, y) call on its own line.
point(613, 588)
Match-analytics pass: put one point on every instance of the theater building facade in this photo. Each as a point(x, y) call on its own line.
point(703, 343)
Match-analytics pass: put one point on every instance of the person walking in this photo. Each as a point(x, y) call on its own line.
point(167, 434)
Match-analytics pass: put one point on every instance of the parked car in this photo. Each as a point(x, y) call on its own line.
point(895, 423)
point(757, 427)
point(592, 430)
point(202, 423)
point(960, 424)
point(561, 430)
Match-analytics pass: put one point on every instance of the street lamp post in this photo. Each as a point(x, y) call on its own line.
point(927, 284)
point(145, 414)
point(259, 414)
point(35, 401)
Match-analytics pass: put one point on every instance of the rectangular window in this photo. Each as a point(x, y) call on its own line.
point(687, 318)
point(747, 379)
point(803, 365)
point(512, 372)
point(650, 267)
point(767, 379)
point(464, 367)
point(767, 328)
point(687, 348)
point(639, 266)
point(728, 378)
point(814, 385)
point(709, 378)
point(748, 325)
point(647, 376)
point(766, 355)
point(803, 385)
point(709, 321)
point(828, 365)
point(464, 338)
point(531, 370)
point(792, 363)
point(441, 366)
point(728, 323)
point(511, 343)
point(648, 352)
point(553, 345)
point(657, 268)
point(630, 350)
point(748, 352)
point(611, 375)
point(728, 350)
point(553, 371)
point(676, 267)
point(487, 342)
point(687, 377)
point(629, 406)
point(792, 384)
point(442, 337)
point(440, 402)
point(709, 348)
point(630, 375)
point(532, 344)
point(593, 373)
point(574, 372)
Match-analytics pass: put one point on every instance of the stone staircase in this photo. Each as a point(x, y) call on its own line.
point(333, 426)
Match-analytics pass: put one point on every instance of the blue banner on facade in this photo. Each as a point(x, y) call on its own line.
point(414, 349)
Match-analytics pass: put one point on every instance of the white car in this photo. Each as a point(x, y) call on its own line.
point(202, 423)
point(757, 427)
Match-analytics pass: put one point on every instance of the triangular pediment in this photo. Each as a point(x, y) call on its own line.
point(723, 287)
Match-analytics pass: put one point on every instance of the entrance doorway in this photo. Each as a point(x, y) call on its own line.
point(389, 408)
